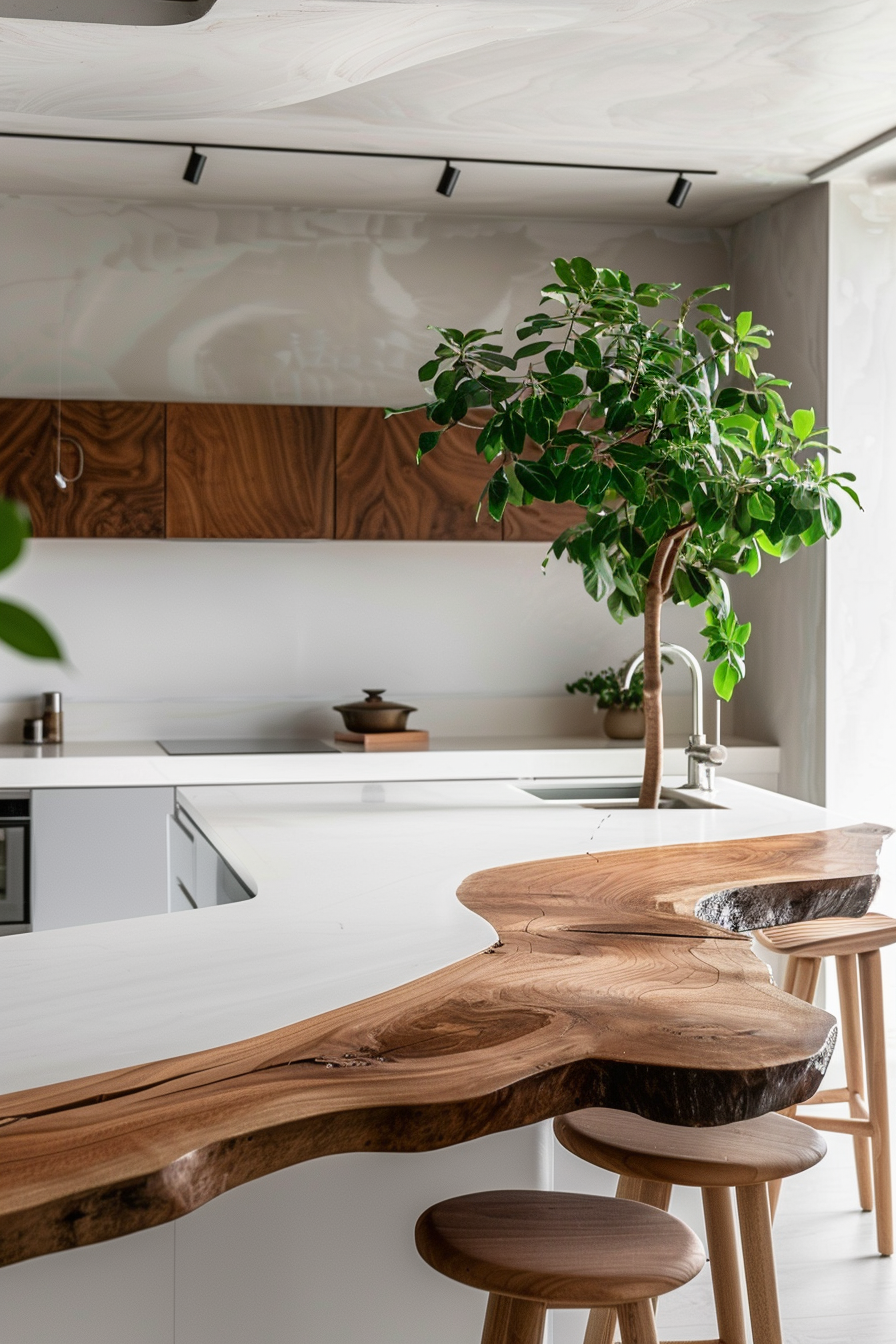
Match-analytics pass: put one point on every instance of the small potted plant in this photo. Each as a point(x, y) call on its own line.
point(623, 707)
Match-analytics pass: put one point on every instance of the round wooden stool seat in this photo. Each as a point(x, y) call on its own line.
point(749, 1152)
point(563, 1250)
point(830, 937)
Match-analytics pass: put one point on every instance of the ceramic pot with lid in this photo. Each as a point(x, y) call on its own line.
point(375, 715)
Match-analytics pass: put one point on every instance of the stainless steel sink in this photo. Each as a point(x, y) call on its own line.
point(612, 793)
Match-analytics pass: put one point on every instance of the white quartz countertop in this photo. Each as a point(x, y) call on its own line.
point(135, 764)
point(355, 894)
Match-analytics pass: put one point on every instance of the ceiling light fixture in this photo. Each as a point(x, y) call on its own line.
point(195, 164)
point(679, 193)
point(448, 180)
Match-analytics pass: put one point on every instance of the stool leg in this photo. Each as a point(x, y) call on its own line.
point(759, 1263)
point(851, 1026)
point(801, 980)
point(721, 1244)
point(805, 977)
point(878, 1108)
point(601, 1328)
point(637, 1324)
point(510, 1320)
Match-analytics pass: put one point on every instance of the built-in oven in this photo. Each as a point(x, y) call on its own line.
point(15, 855)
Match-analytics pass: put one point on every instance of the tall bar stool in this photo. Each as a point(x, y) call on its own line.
point(650, 1158)
point(534, 1249)
point(856, 944)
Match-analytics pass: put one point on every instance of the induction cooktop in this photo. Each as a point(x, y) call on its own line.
point(243, 746)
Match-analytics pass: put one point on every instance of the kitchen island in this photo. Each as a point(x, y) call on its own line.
point(355, 897)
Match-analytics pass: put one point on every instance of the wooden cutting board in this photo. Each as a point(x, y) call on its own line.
point(412, 739)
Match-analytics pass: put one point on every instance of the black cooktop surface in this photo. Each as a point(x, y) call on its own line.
point(244, 746)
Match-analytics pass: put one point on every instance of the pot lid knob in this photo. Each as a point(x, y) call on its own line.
point(373, 697)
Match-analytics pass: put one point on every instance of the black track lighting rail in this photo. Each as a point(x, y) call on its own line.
point(194, 146)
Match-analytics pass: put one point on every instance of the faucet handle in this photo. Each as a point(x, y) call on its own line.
point(707, 753)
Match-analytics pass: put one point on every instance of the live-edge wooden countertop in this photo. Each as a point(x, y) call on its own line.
point(619, 977)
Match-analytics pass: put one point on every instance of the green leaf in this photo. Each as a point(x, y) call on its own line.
point(750, 561)
point(623, 579)
point(803, 423)
point(22, 631)
point(558, 361)
point(429, 370)
point(743, 324)
point(596, 585)
point(427, 441)
point(526, 351)
point(498, 494)
point(789, 547)
point(724, 680)
point(537, 478)
point(15, 528)
point(770, 547)
point(584, 273)
point(761, 506)
point(588, 353)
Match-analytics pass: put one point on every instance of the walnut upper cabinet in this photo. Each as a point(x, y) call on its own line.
point(250, 471)
point(121, 491)
point(381, 493)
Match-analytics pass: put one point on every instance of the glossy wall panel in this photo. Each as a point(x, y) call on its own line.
point(121, 491)
point(252, 472)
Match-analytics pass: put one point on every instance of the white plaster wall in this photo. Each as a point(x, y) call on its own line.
point(861, 646)
point(284, 621)
point(780, 272)
point(111, 299)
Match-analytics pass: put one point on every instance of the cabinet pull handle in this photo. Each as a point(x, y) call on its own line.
point(185, 893)
point(60, 478)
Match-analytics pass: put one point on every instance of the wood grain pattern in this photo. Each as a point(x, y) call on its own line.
point(566, 1250)
point(381, 493)
point(831, 937)
point(250, 471)
point(750, 1152)
point(604, 988)
point(122, 490)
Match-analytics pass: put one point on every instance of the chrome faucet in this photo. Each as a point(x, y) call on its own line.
point(703, 756)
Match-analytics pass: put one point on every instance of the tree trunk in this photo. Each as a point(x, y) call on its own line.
point(659, 585)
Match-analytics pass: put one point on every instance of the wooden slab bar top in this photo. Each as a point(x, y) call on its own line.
point(619, 979)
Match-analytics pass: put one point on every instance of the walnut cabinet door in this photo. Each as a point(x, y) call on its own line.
point(250, 471)
point(120, 492)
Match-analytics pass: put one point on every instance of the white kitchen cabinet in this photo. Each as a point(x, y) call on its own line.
point(197, 874)
point(98, 854)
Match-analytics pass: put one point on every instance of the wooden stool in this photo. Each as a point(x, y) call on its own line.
point(856, 944)
point(534, 1249)
point(650, 1158)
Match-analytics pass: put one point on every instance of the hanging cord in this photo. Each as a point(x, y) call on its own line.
point(60, 477)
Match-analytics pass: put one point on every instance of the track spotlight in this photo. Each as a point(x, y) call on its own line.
point(679, 193)
point(448, 180)
point(195, 165)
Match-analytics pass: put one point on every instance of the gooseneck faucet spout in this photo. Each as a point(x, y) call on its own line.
point(703, 756)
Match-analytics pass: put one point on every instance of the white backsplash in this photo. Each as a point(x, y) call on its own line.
point(513, 716)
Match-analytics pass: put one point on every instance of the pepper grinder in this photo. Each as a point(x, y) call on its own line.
point(52, 716)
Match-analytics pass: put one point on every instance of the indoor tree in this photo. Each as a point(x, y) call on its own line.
point(683, 457)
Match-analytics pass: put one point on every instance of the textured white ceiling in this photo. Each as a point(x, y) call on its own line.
point(762, 91)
